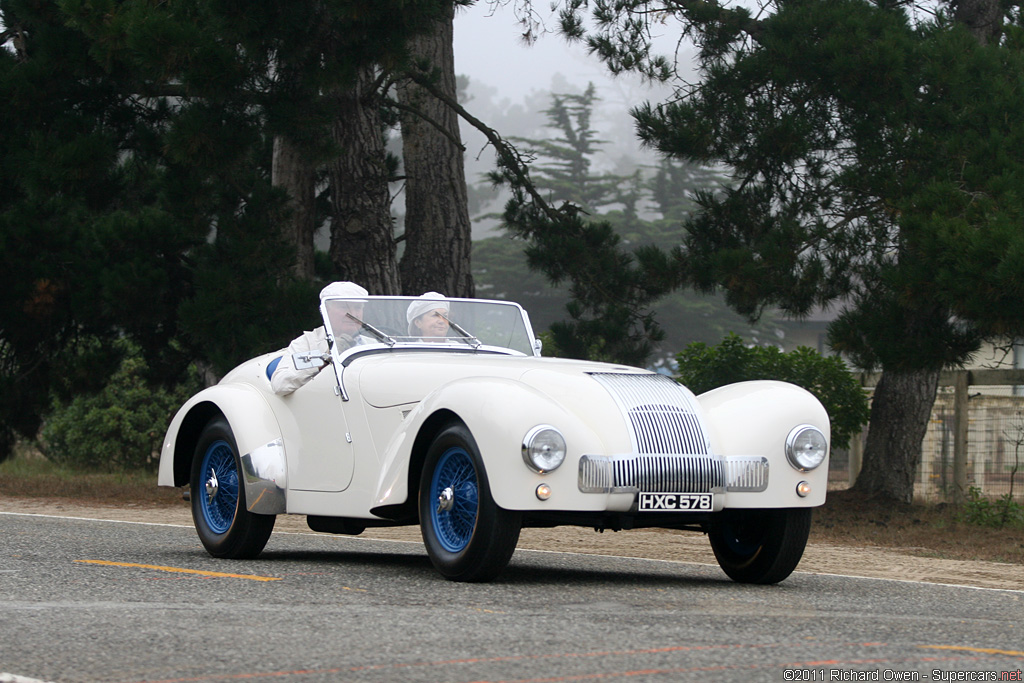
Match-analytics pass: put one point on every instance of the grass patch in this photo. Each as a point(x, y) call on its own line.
point(29, 475)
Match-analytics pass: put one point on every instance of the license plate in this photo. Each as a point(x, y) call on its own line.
point(676, 502)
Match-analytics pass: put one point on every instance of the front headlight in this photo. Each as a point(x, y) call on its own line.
point(806, 447)
point(543, 448)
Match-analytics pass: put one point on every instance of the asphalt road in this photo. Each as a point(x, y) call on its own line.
point(85, 600)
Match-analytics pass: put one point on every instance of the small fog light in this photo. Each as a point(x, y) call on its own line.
point(803, 489)
point(543, 492)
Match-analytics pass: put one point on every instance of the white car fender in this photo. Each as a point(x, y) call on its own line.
point(252, 422)
point(754, 418)
point(477, 402)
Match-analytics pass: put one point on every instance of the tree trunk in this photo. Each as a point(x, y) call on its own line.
point(983, 18)
point(362, 239)
point(900, 412)
point(437, 228)
point(290, 171)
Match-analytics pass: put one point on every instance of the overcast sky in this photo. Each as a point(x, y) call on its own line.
point(488, 49)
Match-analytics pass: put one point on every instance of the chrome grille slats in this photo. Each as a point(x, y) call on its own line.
point(595, 475)
point(651, 474)
point(661, 417)
point(666, 429)
point(746, 473)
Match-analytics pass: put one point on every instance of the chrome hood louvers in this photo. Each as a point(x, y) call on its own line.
point(671, 453)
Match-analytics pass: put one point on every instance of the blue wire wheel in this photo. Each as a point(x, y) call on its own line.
point(219, 487)
point(456, 499)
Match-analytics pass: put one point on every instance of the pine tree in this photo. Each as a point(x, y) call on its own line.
point(77, 251)
point(136, 188)
point(873, 158)
point(562, 170)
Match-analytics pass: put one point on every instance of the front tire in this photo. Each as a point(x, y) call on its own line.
point(760, 546)
point(467, 536)
point(224, 524)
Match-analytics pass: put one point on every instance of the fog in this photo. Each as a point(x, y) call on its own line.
point(489, 50)
point(510, 86)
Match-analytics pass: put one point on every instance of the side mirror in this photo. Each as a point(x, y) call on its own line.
point(538, 344)
point(313, 359)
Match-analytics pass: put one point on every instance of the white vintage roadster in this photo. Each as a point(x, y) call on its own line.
point(473, 436)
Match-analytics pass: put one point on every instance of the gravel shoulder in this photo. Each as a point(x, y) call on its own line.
point(673, 546)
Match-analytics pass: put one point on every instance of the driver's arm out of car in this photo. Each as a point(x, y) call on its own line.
point(286, 377)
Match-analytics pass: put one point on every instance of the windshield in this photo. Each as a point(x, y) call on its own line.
point(422, 321)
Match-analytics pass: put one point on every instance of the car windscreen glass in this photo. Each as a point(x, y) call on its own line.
point(391, 320)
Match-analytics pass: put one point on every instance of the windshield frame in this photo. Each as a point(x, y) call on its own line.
point(376, 339)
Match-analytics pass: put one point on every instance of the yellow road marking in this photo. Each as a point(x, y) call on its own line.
point(985, 650)
point(180, 570)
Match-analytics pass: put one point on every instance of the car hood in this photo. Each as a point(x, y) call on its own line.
point(387, 380)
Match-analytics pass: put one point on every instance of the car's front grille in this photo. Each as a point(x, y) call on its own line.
point(671, 453)
point(651, 474)
point(661, 417)
point(672, 474)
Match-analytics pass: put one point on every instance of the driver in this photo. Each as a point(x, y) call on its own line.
point(286, 377)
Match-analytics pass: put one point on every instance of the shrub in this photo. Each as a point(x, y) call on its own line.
point(703, 367)
point(119, 428)
point(981, 511)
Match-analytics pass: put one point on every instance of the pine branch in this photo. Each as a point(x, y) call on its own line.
point(712, 12)
point(395, 104)
point(508, 156)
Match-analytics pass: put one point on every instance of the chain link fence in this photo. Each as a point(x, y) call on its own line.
point(995, 445)
point(994, 458)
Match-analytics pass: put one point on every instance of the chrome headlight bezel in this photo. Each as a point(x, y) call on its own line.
point(806, 447)
point(544, 449)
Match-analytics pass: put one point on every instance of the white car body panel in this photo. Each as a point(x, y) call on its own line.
point(349, 444)
point(766, 411)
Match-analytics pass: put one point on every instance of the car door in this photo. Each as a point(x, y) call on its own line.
point(318, 441)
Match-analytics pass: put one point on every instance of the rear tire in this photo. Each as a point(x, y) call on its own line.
point(467, 536)
point(224, 524)
point(760, 546)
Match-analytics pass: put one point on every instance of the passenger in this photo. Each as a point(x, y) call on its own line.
point(428, 317)
point(286, 377)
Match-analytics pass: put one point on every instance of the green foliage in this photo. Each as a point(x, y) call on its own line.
point(876, 165)
point(119, 428)
point(135, 179)
point(562, 169)
point(980, 511)
point(501, 272)
point(876, 162)
point(702, 368)
point(61, 126)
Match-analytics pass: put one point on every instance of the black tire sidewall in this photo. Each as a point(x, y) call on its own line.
point(495, 529)
point(782, 538)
